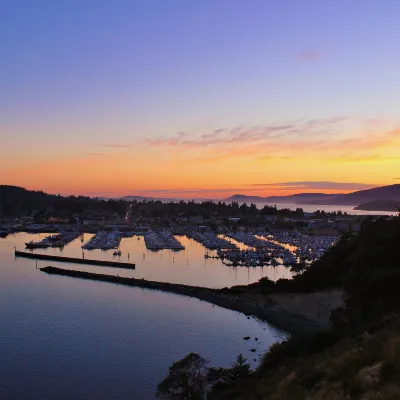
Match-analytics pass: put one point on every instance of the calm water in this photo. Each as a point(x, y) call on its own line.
point(327, 208)
point(65, 338)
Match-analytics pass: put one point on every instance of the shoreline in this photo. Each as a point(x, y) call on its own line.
point(282, 319)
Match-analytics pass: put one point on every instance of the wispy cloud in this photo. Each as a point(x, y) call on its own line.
point(318, 185)
point(195, 191)
point(331, 140)
point(253, 134)
point(260, 189)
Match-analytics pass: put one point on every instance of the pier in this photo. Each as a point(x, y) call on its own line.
point(47, 257)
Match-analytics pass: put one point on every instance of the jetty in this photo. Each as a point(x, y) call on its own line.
point(226, 298)
point(48, 257)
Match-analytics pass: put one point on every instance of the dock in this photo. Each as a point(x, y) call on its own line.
point(47, 257)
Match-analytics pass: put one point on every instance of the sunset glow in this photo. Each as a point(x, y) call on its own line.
point(199, 99)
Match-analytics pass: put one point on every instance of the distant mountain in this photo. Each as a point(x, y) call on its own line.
point(240, 198)
point(380, 205)
point(386, 193)
point(391, 192)
point(300, 198)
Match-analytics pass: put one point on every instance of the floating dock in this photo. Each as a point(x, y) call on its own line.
point(47, 257)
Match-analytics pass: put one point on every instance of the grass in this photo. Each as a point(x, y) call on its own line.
point(365, 367)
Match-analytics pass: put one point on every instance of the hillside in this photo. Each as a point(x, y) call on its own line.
point(300, 198)
point(391, 192)
point(17, 201)
point(359, 357)
point(380, 205)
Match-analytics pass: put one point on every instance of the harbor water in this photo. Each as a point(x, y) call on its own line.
point(64, 338)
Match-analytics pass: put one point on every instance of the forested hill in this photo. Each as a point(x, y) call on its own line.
point(359, 358)
point(16, 201)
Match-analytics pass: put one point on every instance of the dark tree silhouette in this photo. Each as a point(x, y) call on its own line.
point(187, 379)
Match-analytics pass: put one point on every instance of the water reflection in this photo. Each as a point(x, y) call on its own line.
point(69, 338)
point(188, 266)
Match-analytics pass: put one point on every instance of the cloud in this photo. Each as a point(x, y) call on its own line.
point(320, 185)
point(308, 55)
point(336, 139)
point(195, 191)
point(258, 188)
point(253, 134)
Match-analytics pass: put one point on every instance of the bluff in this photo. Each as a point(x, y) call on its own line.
point(359, 357)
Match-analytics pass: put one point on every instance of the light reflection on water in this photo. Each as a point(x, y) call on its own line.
point(188, 266)
point(64, 338)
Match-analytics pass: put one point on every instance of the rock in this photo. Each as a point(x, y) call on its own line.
point(253, 350)
point(256, 338)
point(246, 338)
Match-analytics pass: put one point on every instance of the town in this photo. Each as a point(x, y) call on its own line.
point(238, 234)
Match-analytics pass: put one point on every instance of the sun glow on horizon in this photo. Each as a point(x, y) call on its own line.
point(140, 108)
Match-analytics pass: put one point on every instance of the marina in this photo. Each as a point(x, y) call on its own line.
point(233, 249)
point(104, 240)
point(188, 266)
point(161, 241)
point(305, 247)
point(211, 241)
point(58, 240)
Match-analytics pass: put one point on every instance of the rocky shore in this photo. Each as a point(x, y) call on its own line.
point(226, 298)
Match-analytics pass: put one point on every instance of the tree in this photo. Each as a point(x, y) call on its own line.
point(221, 378)
point(240, 368)
point(187, 379)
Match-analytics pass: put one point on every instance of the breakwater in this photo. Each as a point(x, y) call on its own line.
point(282, 319)
point(47, 257)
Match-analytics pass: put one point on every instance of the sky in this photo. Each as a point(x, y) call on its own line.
point(200, 98)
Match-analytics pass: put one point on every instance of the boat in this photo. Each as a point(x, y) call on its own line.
point(37, 245)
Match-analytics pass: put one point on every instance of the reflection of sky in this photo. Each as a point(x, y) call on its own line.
point(100, 340)
point(188, 266)
point(209, 95)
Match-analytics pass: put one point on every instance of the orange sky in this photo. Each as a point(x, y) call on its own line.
point(217, 164)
